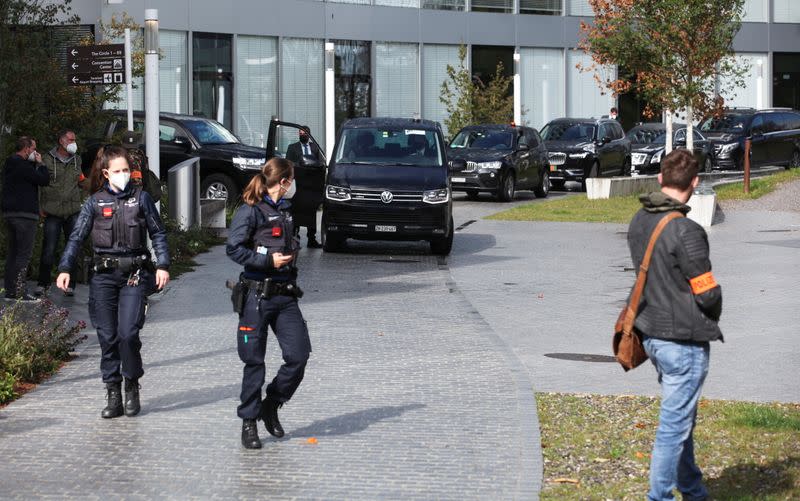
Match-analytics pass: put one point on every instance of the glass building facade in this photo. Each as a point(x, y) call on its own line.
point(391, 58)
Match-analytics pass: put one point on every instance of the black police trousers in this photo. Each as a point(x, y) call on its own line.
point(117, 310)
point(283, 315)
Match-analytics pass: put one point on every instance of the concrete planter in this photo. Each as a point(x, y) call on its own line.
point(703, 208)
point(606, 187)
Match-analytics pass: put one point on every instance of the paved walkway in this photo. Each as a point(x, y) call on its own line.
point(422, 377)
point(552, 291)
point(408, 392)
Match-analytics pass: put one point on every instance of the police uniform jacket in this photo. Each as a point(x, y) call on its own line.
point(119, 224)
point(681, 300)
point(259, 231)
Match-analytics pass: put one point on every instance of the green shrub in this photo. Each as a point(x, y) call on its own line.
point(7, 382)
point(35, 339)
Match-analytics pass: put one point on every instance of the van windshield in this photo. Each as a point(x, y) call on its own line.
point(390, 146)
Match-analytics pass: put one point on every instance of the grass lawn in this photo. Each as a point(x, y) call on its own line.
point(621, 209)
point(598, 447)
point(758, 186)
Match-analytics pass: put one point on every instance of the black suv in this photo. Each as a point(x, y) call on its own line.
point(774, 137)
point(499, 159)
point(649, 142)
point(226, 165)
point(580, 148)
point(388, 180)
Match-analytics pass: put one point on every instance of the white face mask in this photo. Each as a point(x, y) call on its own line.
point(32, 156)
point(291, 191)
point(119, 180)
point(72, 148)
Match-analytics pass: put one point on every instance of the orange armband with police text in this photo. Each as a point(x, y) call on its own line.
point(703, 283)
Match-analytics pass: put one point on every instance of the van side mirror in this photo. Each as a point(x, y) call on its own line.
point(182, 141)
point(457, 165)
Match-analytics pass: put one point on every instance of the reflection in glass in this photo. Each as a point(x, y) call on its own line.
point(389, 146)
point(256, 87)
point(303, 85)
point(541, 7)
point(212, 76)
point(352, 79)
point(396, 79)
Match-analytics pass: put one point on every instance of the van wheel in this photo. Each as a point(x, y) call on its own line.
point(507, 189)
point(443, 245)
point(331, 243)
point(794, 163)
point(543, 189)
point(219, 187)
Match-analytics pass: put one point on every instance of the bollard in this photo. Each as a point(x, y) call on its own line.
point(184, 193)
point(747, 165)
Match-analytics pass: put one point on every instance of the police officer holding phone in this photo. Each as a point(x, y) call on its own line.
point(261, 238)
point(119, 215)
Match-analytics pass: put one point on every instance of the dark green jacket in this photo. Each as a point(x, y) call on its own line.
point(64, 195)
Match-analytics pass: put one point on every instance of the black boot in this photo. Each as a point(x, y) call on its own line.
point(132, 406)
point(269, 413)
point(114, 407)
point(250, 438)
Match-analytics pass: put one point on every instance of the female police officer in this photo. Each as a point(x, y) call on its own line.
point(118, 214)
point(261, 239)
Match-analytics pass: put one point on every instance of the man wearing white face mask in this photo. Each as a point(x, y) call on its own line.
point(23, 174)
point(61, 202)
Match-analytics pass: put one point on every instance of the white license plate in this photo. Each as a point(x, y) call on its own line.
point(458, 179)
point(385, 228)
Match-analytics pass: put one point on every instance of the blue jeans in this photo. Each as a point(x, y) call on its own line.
point(682, 368)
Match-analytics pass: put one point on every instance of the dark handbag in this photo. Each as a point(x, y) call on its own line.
point(627, 343)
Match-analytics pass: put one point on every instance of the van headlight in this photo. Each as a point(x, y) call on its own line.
point(337, 193)
point(436, 196)
point(248, 163)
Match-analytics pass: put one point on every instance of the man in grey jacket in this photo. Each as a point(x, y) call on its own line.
point(678, 316)
point(60, 204)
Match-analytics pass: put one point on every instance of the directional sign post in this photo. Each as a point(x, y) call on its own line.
point(96, 64)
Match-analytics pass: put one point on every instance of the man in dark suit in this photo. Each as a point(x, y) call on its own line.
point(309, 174)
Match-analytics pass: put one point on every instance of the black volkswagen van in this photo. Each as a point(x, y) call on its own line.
point(388, 180)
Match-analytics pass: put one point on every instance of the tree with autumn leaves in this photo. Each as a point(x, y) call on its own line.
point(677, 54)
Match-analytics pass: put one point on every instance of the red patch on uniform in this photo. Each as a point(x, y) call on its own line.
point(136, 174)
point(276, 231)
point(108, 212)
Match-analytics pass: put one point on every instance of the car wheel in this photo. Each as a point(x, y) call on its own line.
point(443, 245)
point(543, 189)
point(219, 187)
point(331, 243)
point(472, 194)
point(708, 165)
point(593, 172)
point(507, 189)
point(794, 163)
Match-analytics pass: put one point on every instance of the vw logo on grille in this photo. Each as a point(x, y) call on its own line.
point(387, 197)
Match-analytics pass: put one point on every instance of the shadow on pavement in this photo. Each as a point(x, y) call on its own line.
point(353, 422)
point(188, 398)
point(161, 363)
point(14, 426)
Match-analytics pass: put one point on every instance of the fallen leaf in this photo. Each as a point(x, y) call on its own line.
point(312, 441)
point(640, 425)
point(565, 481)
point(601, 460)
point(640, 455)
point(541, 296)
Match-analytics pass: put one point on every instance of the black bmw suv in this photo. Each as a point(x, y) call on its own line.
point(774, 137)
point(580, 148)
point(388, 180)
point(499, 159)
